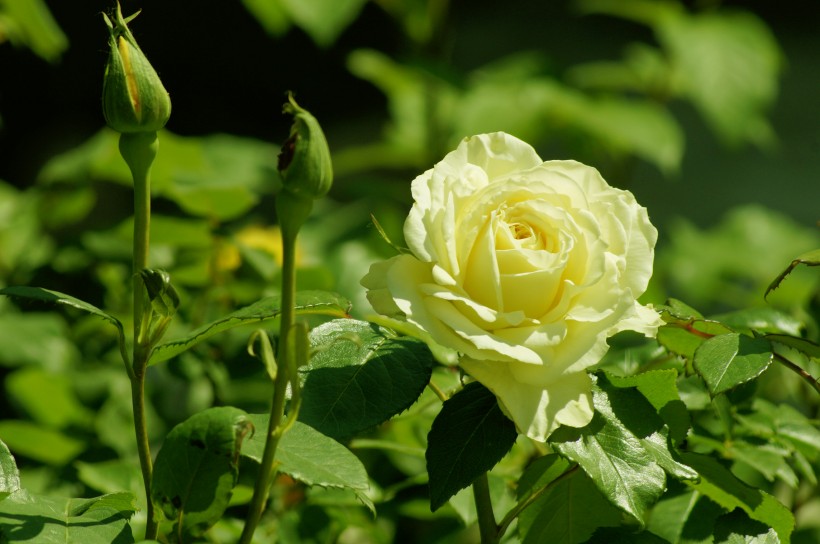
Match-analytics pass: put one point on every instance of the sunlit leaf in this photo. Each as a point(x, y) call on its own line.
point(728, 360)
point(720, 485)
point(48, 520)
point(619, 451)
point(764, 319)
point(197, 468)
point(307, 455)
point(217, 177)
point(9, 475)
point(46, 397)
point(307, 302)
point(468, 437)
point(30, 23)
point(803, 345)
point(359, 376)
point(660, 388)
point(39, 294)
point(42, 444)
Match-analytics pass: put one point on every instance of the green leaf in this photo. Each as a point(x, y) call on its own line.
point(683, 515)
point(720, 485)
point(468, 437)
point(218, 177)
point(622, 449)
point(764, 319)
point(323, 20)
point(675, 311)
point(198, 466)
point(54, 297)
point(811, 258)
point(737, 528)
point(685, 337)
point(728, 360)
point(112, 476)
point(307, 302)
point(783, 424)
point(803, 345)
point(360, 375)
point(307, 455)
point(9, 475)
point(30, 22)
point(39, 443)
point(46, 342)
point(270, 14)
point(660, 387)
point(767, 459)
point(727, 63)
point(569, 510)
point(46, 397)
point(48, 520)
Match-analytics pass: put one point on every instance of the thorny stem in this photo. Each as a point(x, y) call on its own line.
point(139, 151)
point(811, 380)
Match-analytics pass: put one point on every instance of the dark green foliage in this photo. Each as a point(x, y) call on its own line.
point(468, 437)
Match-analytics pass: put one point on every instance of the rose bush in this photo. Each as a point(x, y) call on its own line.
point(525, 268)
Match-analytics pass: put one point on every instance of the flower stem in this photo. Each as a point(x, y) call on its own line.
point(139, 151)
point(484, 508)
point(285, 368)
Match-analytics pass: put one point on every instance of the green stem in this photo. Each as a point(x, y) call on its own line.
point(808, 378)
point(292, 213)
point(484, 508)
point(139, 151)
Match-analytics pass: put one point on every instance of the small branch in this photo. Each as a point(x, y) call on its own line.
point(437, 390)
point(811, 380)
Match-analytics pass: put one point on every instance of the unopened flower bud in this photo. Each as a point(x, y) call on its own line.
point(134, 99)
point(304, 161)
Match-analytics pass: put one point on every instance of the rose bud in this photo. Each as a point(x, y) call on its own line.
point(304, 161)
point(134, 99)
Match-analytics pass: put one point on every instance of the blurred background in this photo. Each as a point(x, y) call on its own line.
point(708, 111)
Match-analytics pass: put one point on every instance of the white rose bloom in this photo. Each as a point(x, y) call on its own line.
point(524, 267)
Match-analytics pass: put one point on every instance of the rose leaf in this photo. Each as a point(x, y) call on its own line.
point(624, 449)
point(360, 375)
point(468, 437)
point(572, 506)
point(198, 466)
point(728, 360)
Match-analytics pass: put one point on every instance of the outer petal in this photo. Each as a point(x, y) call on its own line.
point(536, 409)
point(379, 296)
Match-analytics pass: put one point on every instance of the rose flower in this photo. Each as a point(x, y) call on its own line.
point(525, 268)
